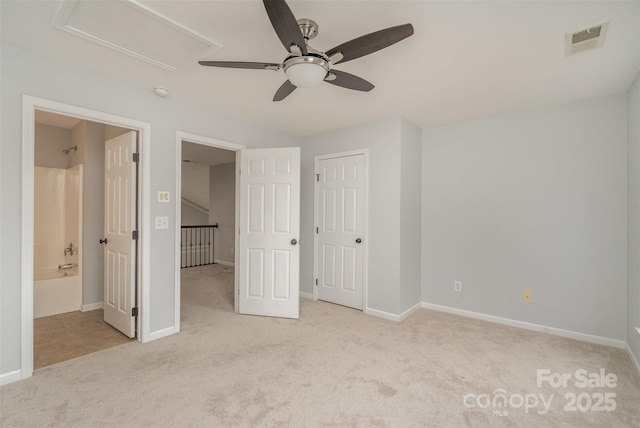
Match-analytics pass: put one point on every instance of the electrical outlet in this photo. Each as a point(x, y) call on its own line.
point(457, 286)
point(527, 297)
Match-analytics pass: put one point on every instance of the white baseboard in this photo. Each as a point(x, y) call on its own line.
point(306, 295)
point(599, 340)
point(409, 311)
point(390, 316)
point(633, 359)
point(382, 314)
point(7, 378)
point(154, 335)
point(91, 306)
point(224, 263)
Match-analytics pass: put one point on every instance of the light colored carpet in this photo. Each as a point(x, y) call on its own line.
point(332, 367)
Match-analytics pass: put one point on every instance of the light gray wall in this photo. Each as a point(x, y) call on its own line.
point(383, 139)
point(195, 183)
point(195, 189)
point(410, 283)
point(222, 209)
point(633, 218)
point(50, 141)
point(191, 216)
point(26, 73)
point(530, 201)
point(90, 138)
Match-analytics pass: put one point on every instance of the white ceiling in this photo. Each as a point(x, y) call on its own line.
point(466, 59)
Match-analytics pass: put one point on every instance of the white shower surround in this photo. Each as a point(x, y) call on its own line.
point(57, 223)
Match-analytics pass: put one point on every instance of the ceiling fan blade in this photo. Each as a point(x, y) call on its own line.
point(241, 64)
point(285, 24)
point(284, 91)
point(370, 43)
point(349, 81)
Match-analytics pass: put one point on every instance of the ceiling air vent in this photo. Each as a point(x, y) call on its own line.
point(134, 29)
point(586, 38)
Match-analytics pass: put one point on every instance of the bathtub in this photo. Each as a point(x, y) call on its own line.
point(56, 291)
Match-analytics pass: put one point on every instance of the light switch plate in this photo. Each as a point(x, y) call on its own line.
point(162, 222)
point(163, 196)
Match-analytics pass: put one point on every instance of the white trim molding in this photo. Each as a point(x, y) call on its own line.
point(29, 106)
point(155, 335)
point(307, 295)
point(382, 314)
point(393, 317)
point(633, 359)
point(91, 306)
point(224, 263)
point(599, 340)
point(10, 377)
point(409, 311)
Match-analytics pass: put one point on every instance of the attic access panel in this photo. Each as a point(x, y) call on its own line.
point(134, 29)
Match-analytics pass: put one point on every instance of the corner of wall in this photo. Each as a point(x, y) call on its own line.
point(633, 221)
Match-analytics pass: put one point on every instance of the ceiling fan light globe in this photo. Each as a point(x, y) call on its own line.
point(306, 74)
point(306, 71)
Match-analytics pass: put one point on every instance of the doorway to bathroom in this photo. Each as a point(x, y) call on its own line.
point(85, 135)
point(70, 316)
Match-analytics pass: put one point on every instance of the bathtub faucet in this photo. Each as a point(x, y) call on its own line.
point(69, 250)
point(65, 266)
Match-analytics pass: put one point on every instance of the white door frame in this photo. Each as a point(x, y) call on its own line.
point(29, 106)
point(365, 204)
point(211, 142)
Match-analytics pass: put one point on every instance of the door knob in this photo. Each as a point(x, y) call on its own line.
point(294, 241)
point(358, 241)
point(103, 241)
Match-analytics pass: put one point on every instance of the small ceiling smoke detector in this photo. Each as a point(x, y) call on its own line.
point(160, 91)
point(586, 38)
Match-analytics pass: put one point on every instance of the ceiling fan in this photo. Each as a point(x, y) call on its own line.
point(306, 66)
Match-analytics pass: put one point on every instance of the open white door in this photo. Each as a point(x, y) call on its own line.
point(269, 253)
point(119, 224)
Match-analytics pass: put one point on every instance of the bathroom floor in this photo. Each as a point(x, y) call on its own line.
point(65, 336)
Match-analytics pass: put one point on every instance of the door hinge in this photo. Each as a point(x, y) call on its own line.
point(134, 312)
point(316, 281)
point(316, 230)
point(134, 235)
point(318, 177)
point(136, 157)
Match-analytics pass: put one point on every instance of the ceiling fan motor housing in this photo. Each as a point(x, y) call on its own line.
point(308, 28)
